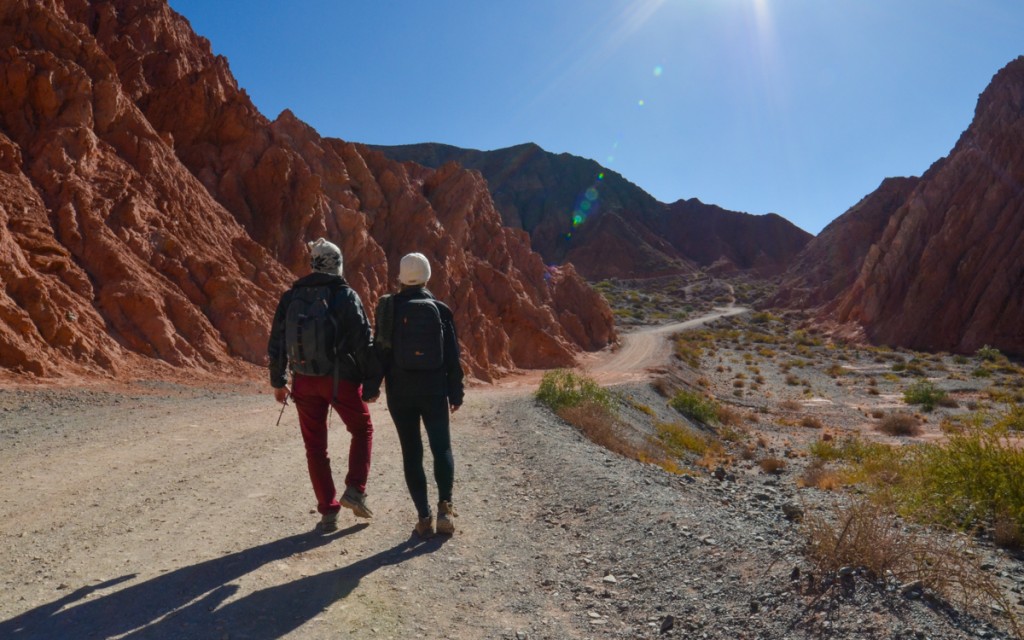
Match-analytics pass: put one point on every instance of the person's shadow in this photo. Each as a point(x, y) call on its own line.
point(166, 606)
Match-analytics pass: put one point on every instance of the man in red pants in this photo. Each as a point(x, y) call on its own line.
point(320, 333)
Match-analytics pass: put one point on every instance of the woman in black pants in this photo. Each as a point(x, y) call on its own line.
point(415, 339)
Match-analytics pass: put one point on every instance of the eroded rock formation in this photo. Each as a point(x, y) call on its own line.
point(946, 269)
point(830, 263)
point(153, 215)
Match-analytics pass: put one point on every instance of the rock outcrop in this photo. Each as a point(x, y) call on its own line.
point(577, 211)
point(152, 216)
point(830, 263)
point(946, 270)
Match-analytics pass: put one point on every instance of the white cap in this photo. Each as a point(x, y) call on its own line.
point(414, 270)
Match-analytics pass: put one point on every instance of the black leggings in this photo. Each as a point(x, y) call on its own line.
point(406, 413)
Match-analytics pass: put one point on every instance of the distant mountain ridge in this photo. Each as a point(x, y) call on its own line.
point(578, 211)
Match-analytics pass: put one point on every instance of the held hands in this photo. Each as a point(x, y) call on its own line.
point(454, 407)
point(281, 394)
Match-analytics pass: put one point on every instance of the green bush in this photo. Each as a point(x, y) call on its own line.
point(976, 476)
point(678, 439)
point(696, 406)
point(850, 449)
point(1014, 418)
point(987, 353)
point(925, 394)
point(563, 388)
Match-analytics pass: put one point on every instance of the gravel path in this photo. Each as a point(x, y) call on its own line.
point(174, 512)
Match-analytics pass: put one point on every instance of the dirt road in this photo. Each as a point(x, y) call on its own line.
point(169, 512)
point(646, 348)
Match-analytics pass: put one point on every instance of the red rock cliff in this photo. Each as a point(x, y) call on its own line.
point(153, 215)
point(947, 272)
point(830, 262)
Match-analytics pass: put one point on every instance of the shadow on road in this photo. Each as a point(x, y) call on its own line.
point(167, 606)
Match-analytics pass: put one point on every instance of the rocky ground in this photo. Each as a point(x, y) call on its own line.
point(170, 511)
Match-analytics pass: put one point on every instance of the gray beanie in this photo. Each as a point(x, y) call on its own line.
point(325, 257)
point(414, 270)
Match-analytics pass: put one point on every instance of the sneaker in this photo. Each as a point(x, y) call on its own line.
point(356, 501)
point(445, 513)
point(425, 527)
point(329, 522)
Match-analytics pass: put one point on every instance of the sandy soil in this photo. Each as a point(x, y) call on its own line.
point(167, 511)
point(164, 511)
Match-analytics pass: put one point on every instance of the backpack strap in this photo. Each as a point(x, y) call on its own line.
point(384, 322)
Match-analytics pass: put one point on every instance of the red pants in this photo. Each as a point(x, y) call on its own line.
point(312, 396)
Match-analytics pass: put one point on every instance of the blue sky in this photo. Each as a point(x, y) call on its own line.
point(797, 107)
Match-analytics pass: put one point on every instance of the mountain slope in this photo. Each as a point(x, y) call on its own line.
point(947, 273)
point(830, 263)
point(577, 211)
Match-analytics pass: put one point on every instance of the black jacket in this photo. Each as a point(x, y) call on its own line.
point(446, 381)
point(359, 362)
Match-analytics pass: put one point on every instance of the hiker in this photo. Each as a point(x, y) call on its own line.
point(416, 345)
point(322, 336)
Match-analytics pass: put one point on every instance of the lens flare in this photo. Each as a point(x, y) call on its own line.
point(658, 70)
point(640, 103)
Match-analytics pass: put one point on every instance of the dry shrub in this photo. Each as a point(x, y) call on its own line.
point(791, 405)
point(772, 465)
point(729, 416)
point(819, 476)
point(877, 414)
point(748, 452)
point(1006, 533)
point(664, 387)
point(599, 424)
point(900, 424)
point(868, 536)
point(811, 422)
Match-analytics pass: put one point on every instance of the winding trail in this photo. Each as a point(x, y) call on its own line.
point(642, 350)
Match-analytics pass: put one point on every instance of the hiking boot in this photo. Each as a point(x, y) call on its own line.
point(425, 527)
point(329, 522)
point(445, 513)
point(356, 501)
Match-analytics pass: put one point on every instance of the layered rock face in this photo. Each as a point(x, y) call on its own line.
point(577, 211)
point(153, 216)
point(947, 270)
point(112, 250)
point(830, 263)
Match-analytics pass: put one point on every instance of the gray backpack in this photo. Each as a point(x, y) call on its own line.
point(311, 331)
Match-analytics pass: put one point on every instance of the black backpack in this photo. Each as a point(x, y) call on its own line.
point(418, 338)
point(311, 331)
